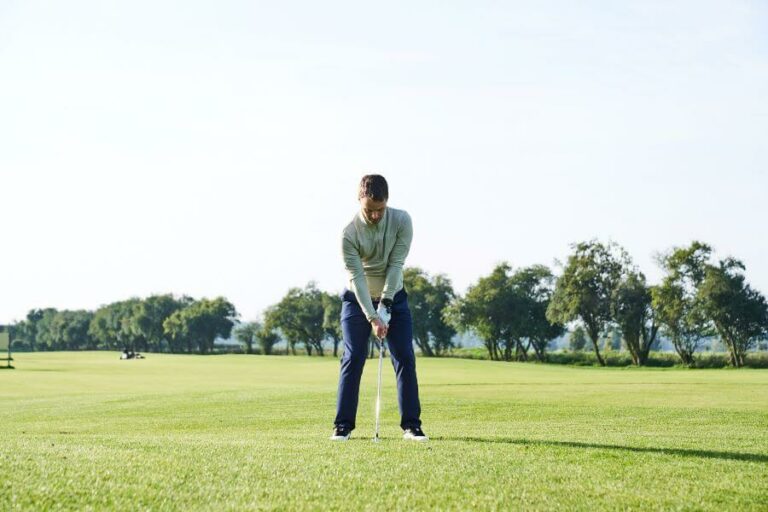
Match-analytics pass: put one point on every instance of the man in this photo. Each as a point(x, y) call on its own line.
point(374, 246)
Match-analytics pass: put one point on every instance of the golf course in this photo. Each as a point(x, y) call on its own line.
point(86, 431)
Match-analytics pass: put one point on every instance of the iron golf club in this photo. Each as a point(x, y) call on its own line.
point(378, 390)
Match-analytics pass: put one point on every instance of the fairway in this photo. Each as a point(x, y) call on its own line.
point(86, 431)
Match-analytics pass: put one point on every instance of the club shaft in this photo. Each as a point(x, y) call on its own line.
point(378, 387)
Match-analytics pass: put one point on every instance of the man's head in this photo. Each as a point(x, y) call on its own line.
point(373, 197)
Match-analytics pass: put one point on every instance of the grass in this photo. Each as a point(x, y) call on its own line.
point(86, 431)
point(623, 358)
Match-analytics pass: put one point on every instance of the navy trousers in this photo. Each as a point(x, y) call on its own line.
point(357, 330)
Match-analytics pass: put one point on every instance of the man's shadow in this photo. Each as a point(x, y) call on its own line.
point(708, 454)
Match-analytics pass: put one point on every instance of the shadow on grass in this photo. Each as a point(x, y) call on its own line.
point(707, 454)
point(550, 383)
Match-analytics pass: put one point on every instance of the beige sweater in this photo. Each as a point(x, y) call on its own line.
point(374, 255)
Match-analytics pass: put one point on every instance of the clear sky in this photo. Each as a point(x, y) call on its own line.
point(214, 148)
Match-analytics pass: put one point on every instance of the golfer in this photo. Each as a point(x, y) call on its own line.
point(374, 246)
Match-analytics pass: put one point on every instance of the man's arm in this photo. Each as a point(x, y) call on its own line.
point(394, 278)
point(354, 265)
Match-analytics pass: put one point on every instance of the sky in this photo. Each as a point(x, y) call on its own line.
point(215, 148)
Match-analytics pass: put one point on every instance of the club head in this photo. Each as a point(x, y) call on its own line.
point(376, 439)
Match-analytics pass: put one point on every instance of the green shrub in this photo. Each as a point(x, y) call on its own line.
point(20, 346)
point(619, 359)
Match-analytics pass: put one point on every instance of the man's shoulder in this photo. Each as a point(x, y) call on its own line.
point(398, 216)
point(350, 230)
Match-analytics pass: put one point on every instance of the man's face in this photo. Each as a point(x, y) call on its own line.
point(372, 210)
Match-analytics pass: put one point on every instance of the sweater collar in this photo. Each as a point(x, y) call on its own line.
point(374, 226)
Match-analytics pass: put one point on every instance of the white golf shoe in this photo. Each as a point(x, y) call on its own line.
point(340, 434)
point(415, 434)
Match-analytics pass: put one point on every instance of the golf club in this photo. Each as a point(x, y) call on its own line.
point(378, 390)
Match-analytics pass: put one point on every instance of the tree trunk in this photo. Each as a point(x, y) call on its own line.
point(642, 356)
point(737, 358)
point(595, 337)
point(647, 338)
point(541, 353)
point(523, 356)
point(685, 355)
point(736, 350)
point(424, 346)
point(491, 346)
point(633, 345)
point(633, 352)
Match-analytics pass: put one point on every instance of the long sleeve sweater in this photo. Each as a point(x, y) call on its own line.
point(374, 255)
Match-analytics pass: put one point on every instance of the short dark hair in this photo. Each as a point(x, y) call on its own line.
point(375, 187)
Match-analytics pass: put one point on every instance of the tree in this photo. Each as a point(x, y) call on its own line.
point(299, 316)
point(428, 296)
point(332, 320)
point(738, 312)
point(57, 330)
point(632, 311)
point(485, 309)
point(584, 291)
point(29, 328)
point(176, 328)
point(675, 300)
point(111, 325)
point(267, 338)
point(148, 315)
point(200, 323)
point(256, 333)
point(577, 340)
point(274, 316)
point(508, 311)
point(45, 337)
point(69, 330)
point(533, 288)
point(245, 334)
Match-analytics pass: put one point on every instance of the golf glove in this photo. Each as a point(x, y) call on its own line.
point(385, 311)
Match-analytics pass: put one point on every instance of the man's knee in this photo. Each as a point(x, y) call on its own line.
point(354, 358)
point(404, 357)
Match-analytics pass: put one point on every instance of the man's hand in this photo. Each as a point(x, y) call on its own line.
point(379, 328)
point(385, 312)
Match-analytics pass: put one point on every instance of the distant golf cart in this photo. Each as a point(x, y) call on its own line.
point(130, 354)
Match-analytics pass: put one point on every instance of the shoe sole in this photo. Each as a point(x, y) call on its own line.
point(417, 439)
point(339, 438)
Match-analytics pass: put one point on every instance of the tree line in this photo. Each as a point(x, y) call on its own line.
point(516, 313)
point(698, 297)
point(600, 290)
point(160, 323)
